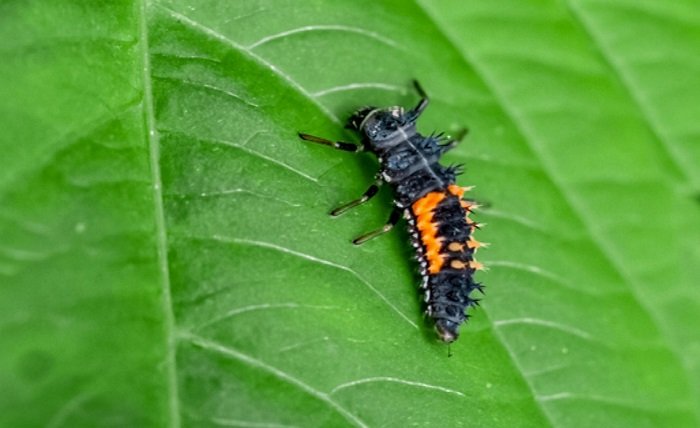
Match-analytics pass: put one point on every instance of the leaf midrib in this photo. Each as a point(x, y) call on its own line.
point(153, 142)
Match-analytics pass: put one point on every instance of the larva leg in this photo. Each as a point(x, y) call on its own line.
point(369, 194)
point(340, 145)
point(393, 219)
point(422, 104)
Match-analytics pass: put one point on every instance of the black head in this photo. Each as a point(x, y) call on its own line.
point(379, 127)
point(358, 117)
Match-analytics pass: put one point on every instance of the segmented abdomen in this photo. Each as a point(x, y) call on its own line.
point(442, 234)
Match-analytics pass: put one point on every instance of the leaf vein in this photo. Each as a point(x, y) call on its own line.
point(395, 380)
point(209, 87)
point(545, 323)
point(260, 307)
point(309, 257)
point(360, 85)
point(230, 352)
point(243, 147)
point(342, 28)
point(220, 37)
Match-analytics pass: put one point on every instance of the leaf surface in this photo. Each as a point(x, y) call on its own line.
point(167, 258)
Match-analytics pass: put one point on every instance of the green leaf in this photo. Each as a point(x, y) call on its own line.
point(166, 257)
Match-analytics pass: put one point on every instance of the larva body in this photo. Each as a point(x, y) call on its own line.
point(426, 194)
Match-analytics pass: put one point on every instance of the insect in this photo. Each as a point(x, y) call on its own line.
point(426, 194)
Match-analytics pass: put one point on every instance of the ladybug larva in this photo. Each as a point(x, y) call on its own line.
point(427, 195)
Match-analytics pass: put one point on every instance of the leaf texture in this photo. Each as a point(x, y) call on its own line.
point(166, 257)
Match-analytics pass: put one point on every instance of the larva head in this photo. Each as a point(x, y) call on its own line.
point(379, 127)
point(358, 118)
point(447, 331)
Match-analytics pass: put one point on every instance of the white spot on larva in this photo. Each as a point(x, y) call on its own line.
point(427, 296)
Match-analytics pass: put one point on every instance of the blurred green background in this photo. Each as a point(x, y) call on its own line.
point(166, 257)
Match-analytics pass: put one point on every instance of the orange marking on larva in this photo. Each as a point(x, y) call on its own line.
point(476, 265)
point(455, 246)
point(472, 244)
point(433, 245)
point(423, 210)
point(455, 190)
point(433, 255)
point(432, 248)
point(424, 225)
point(427, 203)
point(458, 264)
point(435, 261)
